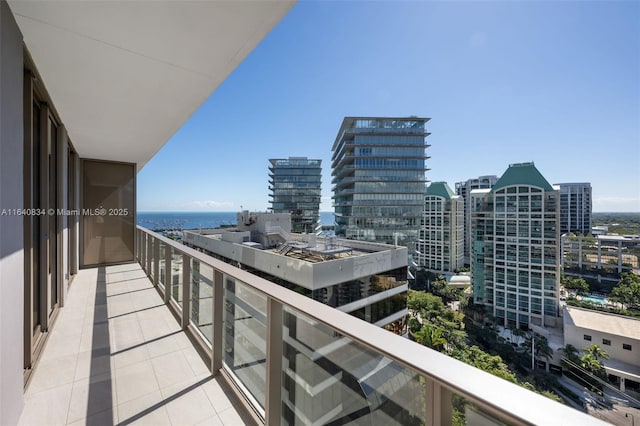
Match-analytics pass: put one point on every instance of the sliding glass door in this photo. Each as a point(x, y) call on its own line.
point(108, 212)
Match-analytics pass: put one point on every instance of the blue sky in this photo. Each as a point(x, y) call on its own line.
point(557, 83)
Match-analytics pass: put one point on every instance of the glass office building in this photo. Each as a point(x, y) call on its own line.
point(295, 186)
point(575, 207)
point(464, 190)
point(379, 167)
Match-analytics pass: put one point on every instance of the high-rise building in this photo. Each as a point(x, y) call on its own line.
point(516, 248)
point(575, 207)
point(464, 189)
point(379, 167)
point(295, 185)
point(441, 238)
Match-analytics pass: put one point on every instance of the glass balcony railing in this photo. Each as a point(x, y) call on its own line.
point(298, 361)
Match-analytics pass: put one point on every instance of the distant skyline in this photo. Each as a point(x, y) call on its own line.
point(556, 83)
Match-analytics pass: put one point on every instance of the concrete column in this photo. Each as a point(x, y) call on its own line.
point(622, 385)
point(11, 225)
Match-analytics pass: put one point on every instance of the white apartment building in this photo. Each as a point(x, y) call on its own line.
point(440, 247)
point(516, 256)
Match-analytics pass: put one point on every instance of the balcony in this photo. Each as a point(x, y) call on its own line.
point(182, 338)
point(117, 355)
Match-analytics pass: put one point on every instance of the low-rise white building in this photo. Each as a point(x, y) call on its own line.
point(618, 335)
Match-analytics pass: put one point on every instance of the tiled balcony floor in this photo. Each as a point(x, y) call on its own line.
point(116, 355)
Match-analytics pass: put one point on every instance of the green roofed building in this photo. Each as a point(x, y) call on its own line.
point(516, 248)
point(440, 246)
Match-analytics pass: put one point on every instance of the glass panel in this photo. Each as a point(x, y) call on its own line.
point(162, 265)
point(465, 412)
point(176, 275)
point(108, 199)
point(201, 297)
point(244, 335)
point(328, 378)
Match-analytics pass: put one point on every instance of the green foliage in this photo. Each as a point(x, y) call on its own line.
point(419, 301)
point(492, 364)
point(627, 291)
point(619, 223)
point(569, 352)
point(541, 347)
point(577, 284)
point(590, 361)
point(571, 301)
point(445, 330)
point(430, 336)
point(441, 288)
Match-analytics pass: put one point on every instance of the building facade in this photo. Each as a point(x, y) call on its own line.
point(516, 248)
point(378, 169)
point(440, 246)
point(575, 207)
point(464, 189)
point(603, 257)
point(295, 187)
point(367, 280)
point(618, 335)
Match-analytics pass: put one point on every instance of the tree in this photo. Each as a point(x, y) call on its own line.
point(440, 287)
point(590, 361)
point(542, 348)
point(419, 301)
point(597, 352)
point(627, 291)
point(570, 355)
point(577, 284)
point(431, 337)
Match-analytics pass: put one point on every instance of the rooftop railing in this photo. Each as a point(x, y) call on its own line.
point(295, 360)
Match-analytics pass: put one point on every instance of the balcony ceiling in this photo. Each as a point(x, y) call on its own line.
point(124, 76)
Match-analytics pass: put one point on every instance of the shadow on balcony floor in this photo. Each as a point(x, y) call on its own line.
point(116, 355)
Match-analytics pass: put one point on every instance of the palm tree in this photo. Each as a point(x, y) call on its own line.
point(570, 355)
point(591, 364)
point(597, 352)
point(542, 348)
point(590, 361)
point(431, 337)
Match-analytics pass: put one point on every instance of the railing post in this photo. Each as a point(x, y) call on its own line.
point(156, 264)
point(168, 280)
point(186, 290)
point(143, 247)
point(273, 391)
point(438, 404)
point(217, 348)
point(149, 254)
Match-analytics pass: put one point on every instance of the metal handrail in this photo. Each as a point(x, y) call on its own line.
point(494, 395)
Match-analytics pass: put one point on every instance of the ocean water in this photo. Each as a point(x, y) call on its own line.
point(196, 220)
